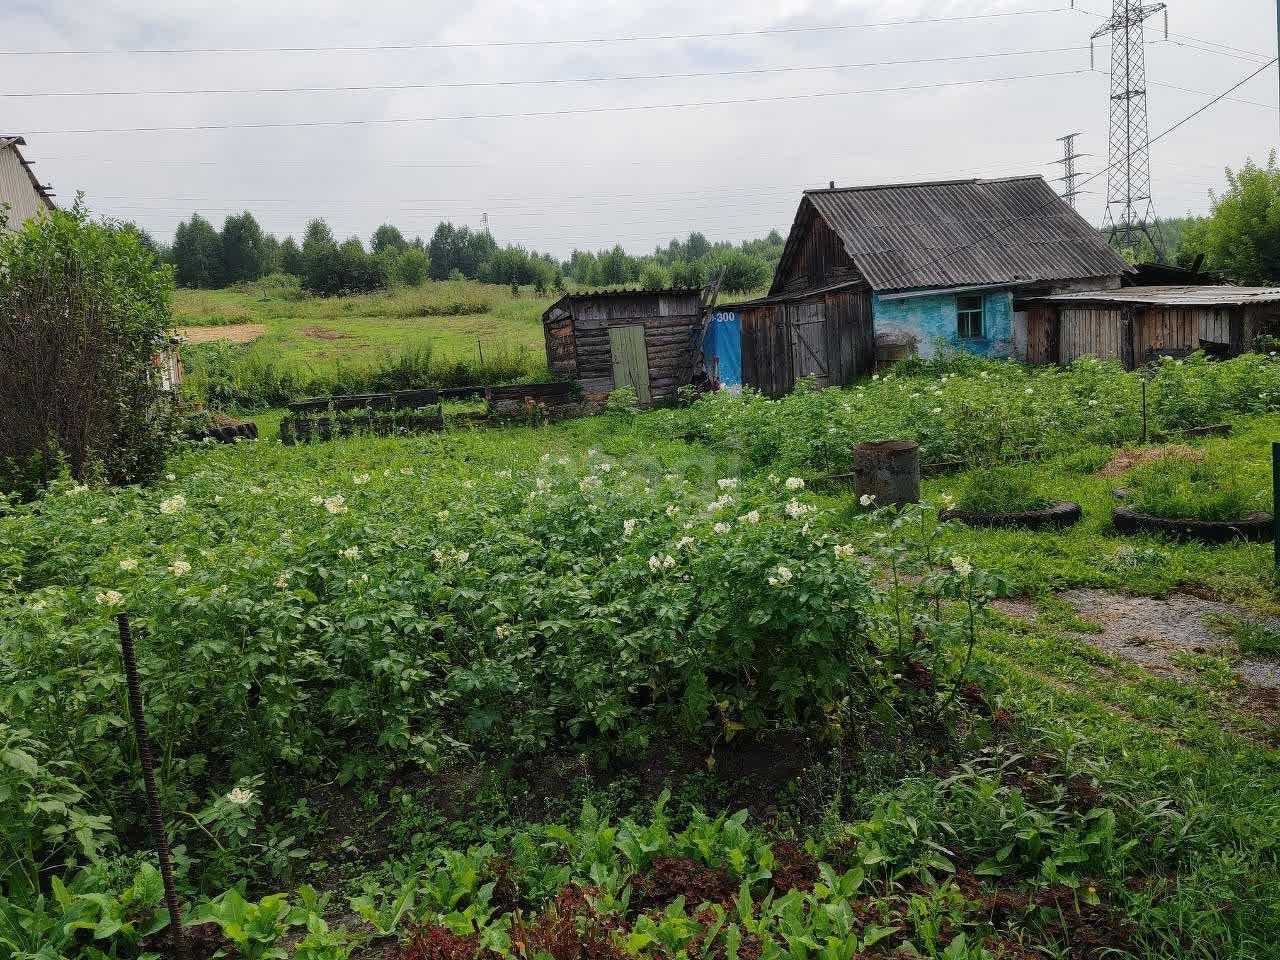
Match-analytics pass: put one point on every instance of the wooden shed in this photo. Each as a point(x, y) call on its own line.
point(824, 334)
point(1137, 324)
point(645, 339)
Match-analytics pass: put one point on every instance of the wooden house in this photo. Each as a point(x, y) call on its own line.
point(648, 340)
point(899, 268)
point(22, 196)
point(1137, 324)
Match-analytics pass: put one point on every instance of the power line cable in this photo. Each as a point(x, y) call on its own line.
point(569, 41)
point(1150, 140)
point(465, 84)
point(542, 114)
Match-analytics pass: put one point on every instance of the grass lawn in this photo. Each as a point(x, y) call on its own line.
point(459, 319)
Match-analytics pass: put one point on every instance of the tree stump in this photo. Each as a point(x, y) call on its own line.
point(888, 470)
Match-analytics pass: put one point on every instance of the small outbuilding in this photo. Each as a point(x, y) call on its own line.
point(649, 340)
point(1138, 324)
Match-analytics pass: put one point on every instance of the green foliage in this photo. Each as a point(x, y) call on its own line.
point(245, 252)
point(1193, 489)
point(741, 271)
point(84, 309)
point(1241, 235)
point(654, 276)
point(197, 254)
point(1001, 489)
point(412, 267)
point(964, 408)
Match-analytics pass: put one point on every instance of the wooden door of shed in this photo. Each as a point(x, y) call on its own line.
point(809, 343)
point(630, 359)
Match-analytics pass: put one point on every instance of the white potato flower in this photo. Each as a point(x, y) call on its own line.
point(721, 528)
point(173, 504)
point(727, 483)
point(629, 527)
point(795, 483)
point(110, 598)
point(128, 564)
point(360, 480)
point(867, 499)
point(752, 516)
point(961, 566)
point(179, 567)
point(351, 553)
point(240, 797)
point(846, 551)
point(336, 504)
point(781, 577)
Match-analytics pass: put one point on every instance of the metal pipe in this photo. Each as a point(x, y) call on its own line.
point(158, 836)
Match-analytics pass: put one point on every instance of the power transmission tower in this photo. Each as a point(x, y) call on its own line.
point(1129, 207)
point(1069, 172)
point(484, 223)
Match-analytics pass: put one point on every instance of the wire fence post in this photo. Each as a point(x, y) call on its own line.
point(158, 836)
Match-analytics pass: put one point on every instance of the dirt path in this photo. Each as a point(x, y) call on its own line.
point(235, 332)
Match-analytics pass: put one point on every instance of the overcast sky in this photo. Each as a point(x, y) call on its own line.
point(587, 179)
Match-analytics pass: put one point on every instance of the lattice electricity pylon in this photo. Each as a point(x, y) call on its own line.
point(1069, 172)
point(1129, 206)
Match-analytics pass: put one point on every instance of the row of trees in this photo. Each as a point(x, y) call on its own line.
point(205, 257)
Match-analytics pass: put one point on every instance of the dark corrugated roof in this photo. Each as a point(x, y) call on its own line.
point(960, 232)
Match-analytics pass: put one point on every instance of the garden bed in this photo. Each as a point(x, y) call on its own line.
point(1059, 513)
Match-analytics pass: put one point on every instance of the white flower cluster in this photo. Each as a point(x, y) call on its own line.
point(752, 516)
point(728, 483)
point(846, 551)
point(240, 797)
point(360, 480)
point(867, 499)
point(629, 527)
point(719, 503)
point(173, 504)
point(795, 509)
point(657, 564)
point(351, 553)
point(795, 483)
point(672, 510)
point(503, 630)
point(948, 502)
point(110, 598)
point(961, 566)
point(589, 482)
point(335, 504)
point(179, 567)
point(451, 555)
point(128, 564)
point(503, 474)
point(684, 542)
point(722, 528)
point(781, 577)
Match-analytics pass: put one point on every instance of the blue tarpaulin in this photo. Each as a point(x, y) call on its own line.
point(723, 348)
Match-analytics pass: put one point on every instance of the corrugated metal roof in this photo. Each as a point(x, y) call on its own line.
point(963, 232)
point(19, 188)
point(1178, 296)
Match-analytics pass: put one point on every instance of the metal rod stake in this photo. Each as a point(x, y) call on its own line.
point(158, 836)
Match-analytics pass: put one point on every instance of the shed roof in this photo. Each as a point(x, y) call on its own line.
point(959, 232)
point(13, 142)
point(579, 295)
point(1212, 295)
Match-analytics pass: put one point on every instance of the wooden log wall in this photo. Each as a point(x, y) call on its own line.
point(672, 323)
point(562, 353)
point(1042, 335)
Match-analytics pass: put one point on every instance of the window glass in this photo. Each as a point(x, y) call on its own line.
point(969, 317)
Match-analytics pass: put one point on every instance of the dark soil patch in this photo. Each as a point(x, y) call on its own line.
point(325, 333)
point(672, 877)
point(793, 868)
point(1042, 780)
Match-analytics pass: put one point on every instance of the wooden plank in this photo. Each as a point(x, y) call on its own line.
point(630, 360)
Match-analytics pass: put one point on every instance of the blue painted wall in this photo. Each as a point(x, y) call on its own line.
point(933, 318)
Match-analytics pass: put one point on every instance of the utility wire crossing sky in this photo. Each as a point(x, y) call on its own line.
point(590, 124)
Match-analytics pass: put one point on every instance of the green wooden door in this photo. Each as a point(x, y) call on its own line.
point(630, 360)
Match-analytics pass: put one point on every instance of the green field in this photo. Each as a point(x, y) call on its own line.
point(322, 340)
point(500, 691)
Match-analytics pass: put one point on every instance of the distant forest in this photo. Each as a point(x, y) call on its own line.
point(205, 257)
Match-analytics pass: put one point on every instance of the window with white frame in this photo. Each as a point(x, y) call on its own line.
point(969, 317)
